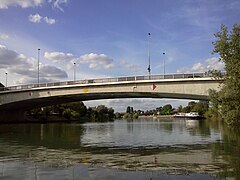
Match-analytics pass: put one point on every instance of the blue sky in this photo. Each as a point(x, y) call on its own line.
point(109, 38)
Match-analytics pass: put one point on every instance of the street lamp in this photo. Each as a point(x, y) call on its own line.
point(6, 79)
point(149, 66)
point(74, 71)
point(164, 64)
point(38, 64)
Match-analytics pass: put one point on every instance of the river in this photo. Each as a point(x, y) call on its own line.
point(124, 149)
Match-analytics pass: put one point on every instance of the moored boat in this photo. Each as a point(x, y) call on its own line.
point(190, 115)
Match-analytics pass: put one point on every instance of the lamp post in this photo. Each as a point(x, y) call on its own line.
point(164, 64)
point(6, 79)
point(74, 71)
point(38, 64)
point(149, 66)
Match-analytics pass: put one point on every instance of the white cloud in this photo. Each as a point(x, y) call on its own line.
point(35, 18)
point(93, 66)
point(209, 64)
point(49, 20)
point(58, 56)
point(94, 61)
point(26, 67)
point(57, 3)
point(3, 36)
point(4, 4)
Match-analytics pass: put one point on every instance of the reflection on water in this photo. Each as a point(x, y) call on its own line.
point(144, 133)
point(156, 148)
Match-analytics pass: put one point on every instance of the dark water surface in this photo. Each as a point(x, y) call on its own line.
point(138, 149)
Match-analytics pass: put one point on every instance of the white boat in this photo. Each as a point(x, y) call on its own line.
point(190, 115)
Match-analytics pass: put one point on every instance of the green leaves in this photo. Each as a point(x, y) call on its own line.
point(227, 100)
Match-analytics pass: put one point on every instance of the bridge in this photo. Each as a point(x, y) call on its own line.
point(15, 100)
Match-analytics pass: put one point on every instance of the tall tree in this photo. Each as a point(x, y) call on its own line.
point(201, 107)
point(128, 109)
point(227, 46)
point(167, 109)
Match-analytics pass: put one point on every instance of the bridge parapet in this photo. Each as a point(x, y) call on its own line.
point(108, 80)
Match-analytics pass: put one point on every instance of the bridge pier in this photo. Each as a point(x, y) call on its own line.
point(12, 116)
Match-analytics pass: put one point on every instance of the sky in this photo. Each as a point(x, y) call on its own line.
point(109, 38)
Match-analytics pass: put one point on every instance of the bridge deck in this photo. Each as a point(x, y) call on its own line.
point(108, 80)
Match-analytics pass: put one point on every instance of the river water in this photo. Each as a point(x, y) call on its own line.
point(124, 149)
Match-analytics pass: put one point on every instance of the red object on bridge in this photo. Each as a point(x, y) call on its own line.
point(154, 86)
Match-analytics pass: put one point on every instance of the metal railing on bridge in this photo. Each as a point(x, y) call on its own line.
point(106, 80)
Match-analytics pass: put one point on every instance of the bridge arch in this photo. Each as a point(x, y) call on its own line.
point(25, 98)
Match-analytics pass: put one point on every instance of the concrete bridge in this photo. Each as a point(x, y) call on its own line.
point(15, 100)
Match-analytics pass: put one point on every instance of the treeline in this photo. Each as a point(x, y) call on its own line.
point(201, 107)
point(76, 111)
point(226, 102)
point(130, 113)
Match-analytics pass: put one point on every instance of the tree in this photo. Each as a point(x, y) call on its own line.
point(191, 104)
point(131, 110)
point(67, 113)
point(227, 46)
point(118, 115)
point(128, 109)
point(180, 108)
point(201, 107)
point(166, 109)
point(111, 113)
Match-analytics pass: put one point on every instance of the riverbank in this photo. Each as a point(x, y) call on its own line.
point(160, 117)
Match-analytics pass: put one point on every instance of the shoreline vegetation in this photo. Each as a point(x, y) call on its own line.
point(78, 112)
point(226, 102)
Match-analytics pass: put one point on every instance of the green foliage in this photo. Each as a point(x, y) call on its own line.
point(76, 111)
point(191, 104)
point(130, 113)
point(180, 108)
point(130, 116)
point(67, 113)
point(227, 100)
point(101, 114)
point(127, 116)
point(111, 113)
point(200, 107)
point(166, 109)
point(135, 116)
point(187, 109)
point(36, 112)
point(118, 115)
